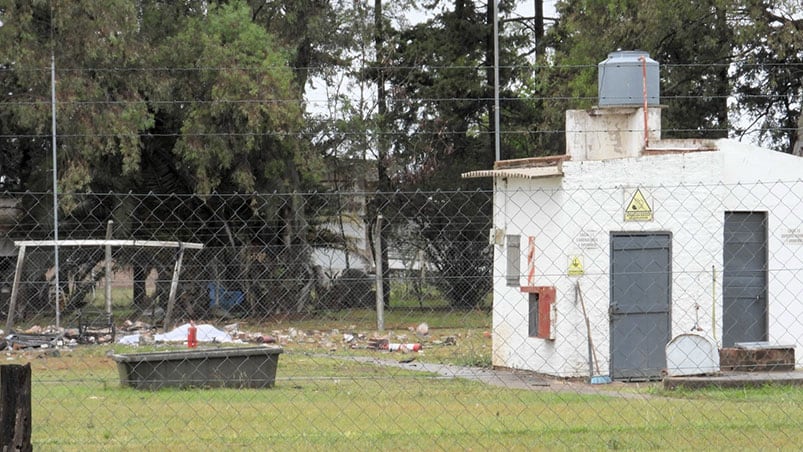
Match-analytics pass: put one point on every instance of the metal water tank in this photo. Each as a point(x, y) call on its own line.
point(691, 354)
point(621, 79)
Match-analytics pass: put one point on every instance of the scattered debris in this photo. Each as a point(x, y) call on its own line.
point(448, 340)
point(378, 343)
point(404, 348)
point(142, 332)
point(233, 329)
point(18, 341)
point(384, 344)
point(204, 333)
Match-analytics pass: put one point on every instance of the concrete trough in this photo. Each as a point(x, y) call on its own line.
point(231, 367)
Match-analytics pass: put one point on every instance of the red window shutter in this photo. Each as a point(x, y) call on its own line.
point(541, 315)
point(546, 298)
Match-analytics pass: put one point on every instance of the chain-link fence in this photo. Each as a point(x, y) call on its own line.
point(408, 320)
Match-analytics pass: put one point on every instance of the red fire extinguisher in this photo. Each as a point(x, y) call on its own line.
point(192, 335)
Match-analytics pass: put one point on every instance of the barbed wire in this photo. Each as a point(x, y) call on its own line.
point(390, 100)
point(745, 63)
point(301, 133)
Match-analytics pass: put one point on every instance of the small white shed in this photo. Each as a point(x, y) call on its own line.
point(658, 237)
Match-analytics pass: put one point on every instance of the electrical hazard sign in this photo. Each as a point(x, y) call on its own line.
point(638, 209)
point(575, 266)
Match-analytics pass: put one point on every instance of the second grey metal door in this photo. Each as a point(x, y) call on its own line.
point(744, 280)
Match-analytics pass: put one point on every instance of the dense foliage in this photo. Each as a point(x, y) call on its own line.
point(203, 96)
point(207, 97)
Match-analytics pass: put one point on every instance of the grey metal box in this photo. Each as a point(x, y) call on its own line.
point(622, 77)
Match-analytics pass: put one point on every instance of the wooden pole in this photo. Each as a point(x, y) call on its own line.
point(15, 407)
point(15, 290)
point(171, 299)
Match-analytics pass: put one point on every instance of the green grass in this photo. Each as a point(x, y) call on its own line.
point(322, 400)
point(325, 402)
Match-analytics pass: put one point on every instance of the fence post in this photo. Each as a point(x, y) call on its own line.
point(15, 289)
point(380, 290)
point(108, 265)
point(171, 298)
point(15, 407)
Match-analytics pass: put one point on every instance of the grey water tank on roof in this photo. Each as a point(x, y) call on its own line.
point(621, 79)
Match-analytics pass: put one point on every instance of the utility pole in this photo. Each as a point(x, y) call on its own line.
point(382, 144)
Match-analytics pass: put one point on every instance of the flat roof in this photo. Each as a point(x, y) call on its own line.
point(527, 168)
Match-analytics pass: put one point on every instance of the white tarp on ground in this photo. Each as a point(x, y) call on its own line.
point(205, 333)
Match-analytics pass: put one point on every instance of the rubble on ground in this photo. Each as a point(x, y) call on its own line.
point(138, 332)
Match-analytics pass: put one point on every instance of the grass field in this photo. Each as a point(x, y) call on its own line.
point(322, 401)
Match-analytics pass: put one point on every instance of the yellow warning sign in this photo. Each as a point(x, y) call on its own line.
point(638, 209)
point(575, 266)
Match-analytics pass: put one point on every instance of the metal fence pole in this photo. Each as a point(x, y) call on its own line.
point(108, 266)
point(380, 287)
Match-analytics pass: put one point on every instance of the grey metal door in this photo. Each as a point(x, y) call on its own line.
point(640, 309)
point(744, 279)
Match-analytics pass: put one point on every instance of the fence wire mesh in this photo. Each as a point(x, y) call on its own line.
point(499, 322)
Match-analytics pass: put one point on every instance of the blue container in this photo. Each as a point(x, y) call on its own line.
point(222, 298)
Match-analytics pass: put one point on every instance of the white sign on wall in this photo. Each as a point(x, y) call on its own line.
point(793, 236)
point(587, 239)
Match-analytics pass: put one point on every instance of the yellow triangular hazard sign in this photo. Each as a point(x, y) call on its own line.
point(638, 209)
point(575, 266)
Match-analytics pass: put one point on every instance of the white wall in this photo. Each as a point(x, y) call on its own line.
point(609, 132)
point(575, 214)
point(784, 205)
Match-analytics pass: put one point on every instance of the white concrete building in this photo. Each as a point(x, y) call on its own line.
point(661, 237)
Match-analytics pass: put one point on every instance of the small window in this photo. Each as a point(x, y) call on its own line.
point(533, 322)
point(541, 300)
point(513, 274)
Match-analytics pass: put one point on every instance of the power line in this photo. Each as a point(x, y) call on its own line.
point(300, 133)
point(399, 100)
point(740, 63)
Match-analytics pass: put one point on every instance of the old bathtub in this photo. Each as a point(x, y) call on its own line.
point(229, 367)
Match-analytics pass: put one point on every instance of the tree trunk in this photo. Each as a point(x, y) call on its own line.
point(539, 20)
point(797, 146)
point(723, 79)
point(138, 273)
point(295, 234)
point(490, 78)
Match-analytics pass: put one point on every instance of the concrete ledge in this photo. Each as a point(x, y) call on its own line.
point(735, 380)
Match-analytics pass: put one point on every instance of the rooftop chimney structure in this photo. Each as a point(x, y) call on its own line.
point(628, 116)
